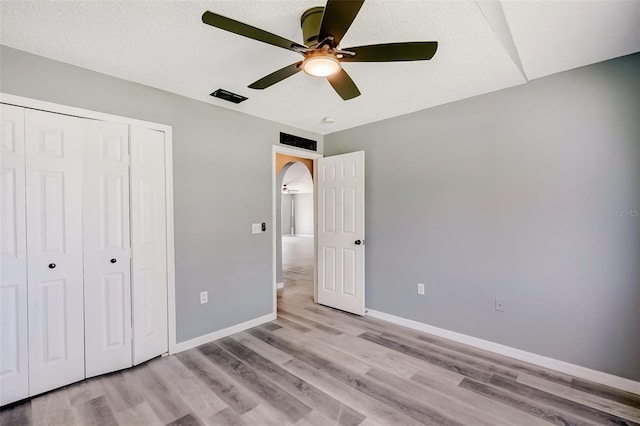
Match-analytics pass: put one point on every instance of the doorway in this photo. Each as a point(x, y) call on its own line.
point(338, 241)
point(294, 222)
point(297, 227)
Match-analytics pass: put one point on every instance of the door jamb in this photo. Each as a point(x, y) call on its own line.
point(279, 149)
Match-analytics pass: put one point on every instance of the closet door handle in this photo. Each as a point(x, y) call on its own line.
point(113, 260)
point(52, 265)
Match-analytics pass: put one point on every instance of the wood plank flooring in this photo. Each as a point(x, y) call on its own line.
point(318, 366)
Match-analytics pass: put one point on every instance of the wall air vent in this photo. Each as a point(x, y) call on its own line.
point(228, 96)
point(297, 141)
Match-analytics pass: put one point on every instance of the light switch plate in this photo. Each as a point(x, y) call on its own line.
point(256, 228)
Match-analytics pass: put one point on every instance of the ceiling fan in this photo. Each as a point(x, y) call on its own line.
point(287, 190)
point(323, 29)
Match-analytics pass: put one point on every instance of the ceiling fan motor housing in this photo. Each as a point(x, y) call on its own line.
point(310, 22)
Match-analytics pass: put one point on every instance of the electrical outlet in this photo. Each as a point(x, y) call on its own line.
point(256, 228)
point(204, 297)
point(421, 289)
point(499, 305)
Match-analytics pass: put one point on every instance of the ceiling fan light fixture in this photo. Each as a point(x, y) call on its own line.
point(321, 65)
point(323, 28)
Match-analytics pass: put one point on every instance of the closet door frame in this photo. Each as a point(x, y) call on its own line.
point(21, 101)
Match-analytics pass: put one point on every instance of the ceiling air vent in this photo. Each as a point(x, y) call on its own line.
point(297, 141)
point(228, 96)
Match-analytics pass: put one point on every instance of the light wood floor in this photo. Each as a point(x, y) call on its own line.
point(318, 366)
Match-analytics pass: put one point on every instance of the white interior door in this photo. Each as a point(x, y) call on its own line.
point(54, 249)
point(340, 188)
point(149, 244)
point(14, 360)
point(107, 248)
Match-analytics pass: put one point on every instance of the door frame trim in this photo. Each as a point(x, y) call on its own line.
point(281, 149)
point(37, 104)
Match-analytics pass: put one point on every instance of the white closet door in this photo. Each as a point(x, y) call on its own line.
point(107, 252)
point(54, 249)
point(14, 361)
point(149, 244)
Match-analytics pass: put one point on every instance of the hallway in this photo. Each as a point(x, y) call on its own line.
point(297, 261)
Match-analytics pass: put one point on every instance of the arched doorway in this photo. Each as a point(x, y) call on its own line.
point(294, 222)
point(297, 226)
point(281, 157)
point(338, 281)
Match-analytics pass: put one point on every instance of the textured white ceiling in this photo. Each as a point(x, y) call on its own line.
point(165, 45)
point(554, 36)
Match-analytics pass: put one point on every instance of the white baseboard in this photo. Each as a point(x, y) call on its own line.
point(183, 346)
point(542, 361)
point(280, 285)
point(304, 235)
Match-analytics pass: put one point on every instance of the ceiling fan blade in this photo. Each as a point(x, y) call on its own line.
point(337, 18)
point(245, 30)
point(276, 76)
point(343, 84)
point(391, 52)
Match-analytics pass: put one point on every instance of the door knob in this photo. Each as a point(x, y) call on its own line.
point(52, 265)
point(113, 261)
point(358, 242)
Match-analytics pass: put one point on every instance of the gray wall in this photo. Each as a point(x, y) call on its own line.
point(214, 247)
point(303, 216)
point(514, 194)
point(285, 208)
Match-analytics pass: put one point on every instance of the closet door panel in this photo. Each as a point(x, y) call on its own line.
point(53, 145)
point(149, 244)
point(14, 360)
point(107, 248)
